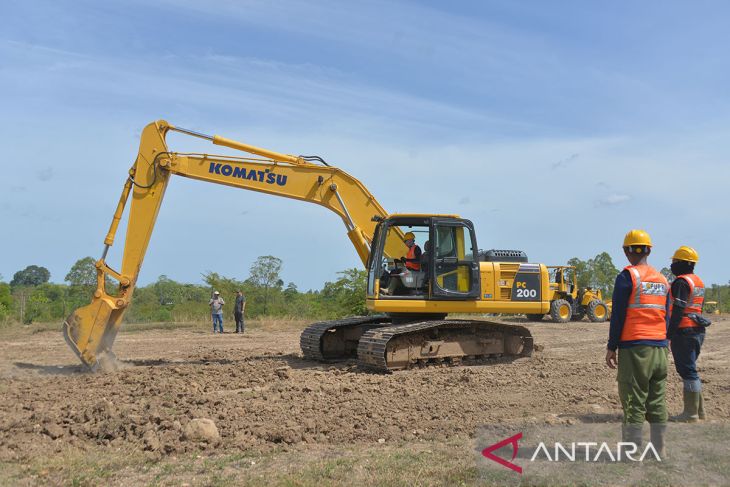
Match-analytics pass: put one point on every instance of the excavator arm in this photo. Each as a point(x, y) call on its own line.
point(91, 330)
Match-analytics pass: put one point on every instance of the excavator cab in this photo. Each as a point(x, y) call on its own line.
point(445, 266)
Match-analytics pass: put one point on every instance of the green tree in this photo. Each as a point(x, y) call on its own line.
point(582, 271)
point(346, 296)
point(82, 280)
point(6, 301)
point(291, 291)
point(47, 302)
point(82, 273)
point(168, 291)
point(603, 273)
point(37, 307)
point(227, 286)
point(598, 272)
point(265, 276)
point(58, 300)
point(32, 275)
point(20, 298)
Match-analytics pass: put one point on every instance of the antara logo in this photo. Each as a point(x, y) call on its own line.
point(512, 440)
point(586, 451)
point(265, 176)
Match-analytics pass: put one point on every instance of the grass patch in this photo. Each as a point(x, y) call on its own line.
point(398, 465)
point(402, 465)
point(72, 467)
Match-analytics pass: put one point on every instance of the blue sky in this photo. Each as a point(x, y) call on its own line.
point(554, 126)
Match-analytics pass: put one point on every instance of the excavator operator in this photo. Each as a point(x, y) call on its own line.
point(413, 257)
point(391, 283)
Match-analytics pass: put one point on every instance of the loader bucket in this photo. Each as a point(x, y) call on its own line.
point(90, 332)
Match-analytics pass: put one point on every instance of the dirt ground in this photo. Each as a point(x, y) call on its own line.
point(60, 424)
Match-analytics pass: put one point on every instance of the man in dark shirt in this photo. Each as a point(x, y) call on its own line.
point(687, 295)
point(638, 331)
point(425, 256)
point(238, 312)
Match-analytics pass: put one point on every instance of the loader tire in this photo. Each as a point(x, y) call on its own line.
point(597, 311)
point(561, 311)
point(532, 317)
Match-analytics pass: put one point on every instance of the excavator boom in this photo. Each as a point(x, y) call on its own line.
point(91, 330)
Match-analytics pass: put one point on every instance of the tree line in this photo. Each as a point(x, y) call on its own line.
point(600, 273)
point(30, 297)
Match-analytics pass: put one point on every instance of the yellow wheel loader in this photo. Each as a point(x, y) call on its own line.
point(410, 301)
point(711, 307)
point(568, 302)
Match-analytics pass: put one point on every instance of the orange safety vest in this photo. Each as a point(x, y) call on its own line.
point(411, 261)
point(695, 301)
point(646, 314)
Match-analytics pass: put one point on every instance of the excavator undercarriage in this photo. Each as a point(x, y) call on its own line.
point(380, 345)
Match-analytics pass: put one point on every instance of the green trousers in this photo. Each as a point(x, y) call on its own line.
point(642, 383)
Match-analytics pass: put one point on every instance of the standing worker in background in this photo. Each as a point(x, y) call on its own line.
point(639, 332)
point(238, 309)
point(687, 297)
point(216, 310)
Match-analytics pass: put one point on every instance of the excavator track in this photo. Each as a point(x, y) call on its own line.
point(337, 339)
point(390, 348)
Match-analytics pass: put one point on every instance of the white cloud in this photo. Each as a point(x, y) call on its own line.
point(613, 199)
point(269, 93)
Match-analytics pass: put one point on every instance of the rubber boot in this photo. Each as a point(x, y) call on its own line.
point(701, 408)
point(691, 406)
point(657, 433)
point(632, 433)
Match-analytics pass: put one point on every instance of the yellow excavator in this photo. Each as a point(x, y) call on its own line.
point(409, 300)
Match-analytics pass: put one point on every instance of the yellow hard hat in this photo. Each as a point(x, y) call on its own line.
point(409, 236)
point(637, 237)
point(686, 253)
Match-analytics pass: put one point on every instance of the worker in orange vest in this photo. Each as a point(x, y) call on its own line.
point(413, 257)
point(686, 335)
point(638, 331)
point(412, 260)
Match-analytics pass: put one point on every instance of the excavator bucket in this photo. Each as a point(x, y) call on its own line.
point(90, 332)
